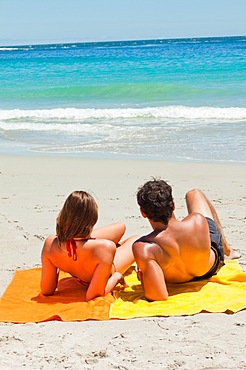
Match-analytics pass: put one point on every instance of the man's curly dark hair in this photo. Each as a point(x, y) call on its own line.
point(156, 201)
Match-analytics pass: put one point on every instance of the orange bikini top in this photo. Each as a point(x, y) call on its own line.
point(72, 243)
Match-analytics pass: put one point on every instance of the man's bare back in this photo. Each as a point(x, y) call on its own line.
point(181, 249)
point(176, 251)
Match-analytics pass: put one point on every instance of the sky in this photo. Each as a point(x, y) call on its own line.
point(61, 21)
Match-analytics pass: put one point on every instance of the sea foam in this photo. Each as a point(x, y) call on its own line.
point(176, 113)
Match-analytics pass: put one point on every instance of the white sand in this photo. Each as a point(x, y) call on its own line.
point(33, 190)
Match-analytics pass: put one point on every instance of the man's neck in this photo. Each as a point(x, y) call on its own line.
point(157, 226)
point(160, 226)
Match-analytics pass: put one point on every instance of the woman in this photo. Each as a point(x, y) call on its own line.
point(87, 254)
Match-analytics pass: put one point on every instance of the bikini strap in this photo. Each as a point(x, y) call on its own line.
point(71, 253)
point(72, 242)
point(83, 239)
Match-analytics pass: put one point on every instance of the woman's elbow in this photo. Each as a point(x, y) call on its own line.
point(47, 292)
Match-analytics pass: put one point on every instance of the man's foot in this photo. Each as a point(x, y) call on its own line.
point(231, 254)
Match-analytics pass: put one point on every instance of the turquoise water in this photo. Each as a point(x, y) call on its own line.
point(179, 99)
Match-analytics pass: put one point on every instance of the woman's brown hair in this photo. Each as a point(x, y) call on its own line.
point(78, 215)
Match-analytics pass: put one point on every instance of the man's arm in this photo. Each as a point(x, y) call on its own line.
point(151, 274)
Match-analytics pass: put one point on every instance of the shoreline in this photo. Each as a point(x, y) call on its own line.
point(33, 189)
point(124, 157)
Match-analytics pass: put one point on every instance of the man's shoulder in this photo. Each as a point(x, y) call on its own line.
point(145, 239)
point(153, 243)
point(195, 218)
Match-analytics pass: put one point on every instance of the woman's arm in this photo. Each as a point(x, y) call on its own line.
point(101, 282)
point(116, 278)
point(50, 273)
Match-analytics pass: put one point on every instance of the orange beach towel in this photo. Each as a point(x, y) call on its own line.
point(22, 301)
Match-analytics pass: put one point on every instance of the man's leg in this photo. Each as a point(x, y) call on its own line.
point(196, 201)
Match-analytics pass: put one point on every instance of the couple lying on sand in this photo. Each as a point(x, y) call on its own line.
point(174, 252)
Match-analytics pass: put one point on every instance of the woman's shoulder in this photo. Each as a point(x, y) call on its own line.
point(102, 245)
point(103, 242)
point(50, 238)
point(49, 243)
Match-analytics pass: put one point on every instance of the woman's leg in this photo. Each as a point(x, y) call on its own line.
point(124, 258)
point(113, 232)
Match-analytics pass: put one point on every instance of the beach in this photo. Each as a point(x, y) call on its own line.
point(105, 117)
point(33, 189)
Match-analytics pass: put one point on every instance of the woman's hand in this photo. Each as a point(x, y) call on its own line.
point(116, 278)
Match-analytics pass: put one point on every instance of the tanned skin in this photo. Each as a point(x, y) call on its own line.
point(100, 262)
point(178, 251)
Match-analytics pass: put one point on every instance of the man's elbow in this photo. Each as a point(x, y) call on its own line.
point(159, 297)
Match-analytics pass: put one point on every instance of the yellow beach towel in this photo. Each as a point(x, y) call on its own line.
point(224, 292)
point(22, 301)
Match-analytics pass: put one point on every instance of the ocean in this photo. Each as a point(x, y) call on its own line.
point(172, 99)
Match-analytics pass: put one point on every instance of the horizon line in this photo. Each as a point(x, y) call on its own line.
point(118, 41)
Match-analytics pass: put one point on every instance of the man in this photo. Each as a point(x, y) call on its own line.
point(177, 251)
